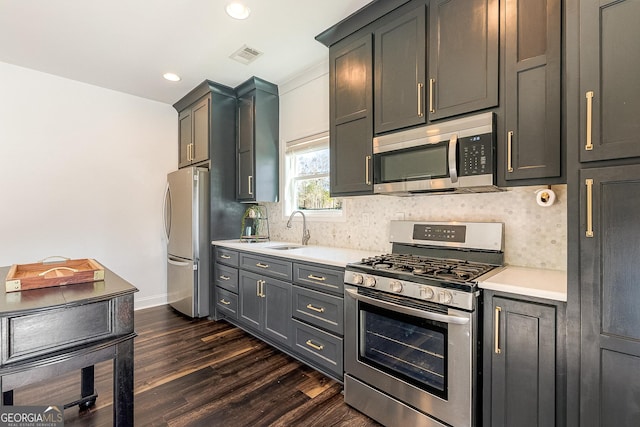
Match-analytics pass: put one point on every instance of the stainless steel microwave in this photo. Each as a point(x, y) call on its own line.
point(455, 156)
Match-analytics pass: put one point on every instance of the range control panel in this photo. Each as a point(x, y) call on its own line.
point(439, 233)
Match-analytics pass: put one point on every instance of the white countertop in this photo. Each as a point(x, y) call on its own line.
point(338, 257)
point(549, 284)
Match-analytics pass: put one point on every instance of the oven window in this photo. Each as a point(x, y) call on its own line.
point(407, 347)
point(415, 164)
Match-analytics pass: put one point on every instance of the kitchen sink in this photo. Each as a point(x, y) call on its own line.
point(285, 247)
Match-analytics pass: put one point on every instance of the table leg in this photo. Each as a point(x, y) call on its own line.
point(87, 387)
point(123, 384)
point(7, 398)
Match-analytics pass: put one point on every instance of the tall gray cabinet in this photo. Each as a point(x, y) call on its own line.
point(604, 206)
point(257, 141)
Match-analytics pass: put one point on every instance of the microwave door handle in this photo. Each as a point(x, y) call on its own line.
point(453, 154)
point(445, 318)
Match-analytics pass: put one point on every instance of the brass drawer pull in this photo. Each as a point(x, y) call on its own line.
point(314, 346)
point(318, 278)
point(496, 331)
point(261, 265)
point(223, 277)
point(589, 184)
point(319, 310)
point(224, 256)
point(225, 302)
point(589, 145)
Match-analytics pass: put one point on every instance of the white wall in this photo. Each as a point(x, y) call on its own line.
point(534, 236)
point(82, 174)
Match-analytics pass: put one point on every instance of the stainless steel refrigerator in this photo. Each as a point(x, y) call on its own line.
point(186, 221)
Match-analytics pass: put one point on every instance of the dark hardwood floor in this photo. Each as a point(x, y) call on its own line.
point(204, 373)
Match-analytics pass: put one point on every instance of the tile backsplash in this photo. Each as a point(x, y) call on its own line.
point(535, 236)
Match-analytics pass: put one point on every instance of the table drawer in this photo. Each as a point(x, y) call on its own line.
point(319, 309)
point(227, 256)
point(226, 278)
point(318, 346)
point(227, 302)
point(320, 278)
point(53, 330)
point(274, 267)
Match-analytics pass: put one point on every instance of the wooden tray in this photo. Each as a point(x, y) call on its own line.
point(22, 277)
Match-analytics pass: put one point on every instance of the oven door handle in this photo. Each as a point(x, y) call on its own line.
point(445, 318)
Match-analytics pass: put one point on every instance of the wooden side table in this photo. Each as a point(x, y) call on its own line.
point(48, 332)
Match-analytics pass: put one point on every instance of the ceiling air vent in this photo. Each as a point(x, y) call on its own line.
point(245, 55)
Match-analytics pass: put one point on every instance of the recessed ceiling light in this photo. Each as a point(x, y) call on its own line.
point(171, 77)
point(238, 10)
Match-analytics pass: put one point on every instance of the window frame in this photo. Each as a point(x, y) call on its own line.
point(310, 142)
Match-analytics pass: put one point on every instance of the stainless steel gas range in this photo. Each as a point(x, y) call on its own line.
point(411, 323)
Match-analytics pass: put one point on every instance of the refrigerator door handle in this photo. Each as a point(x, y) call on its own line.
point(165, 207)
point(177, 263)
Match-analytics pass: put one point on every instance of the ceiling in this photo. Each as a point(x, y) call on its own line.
point(127, 45)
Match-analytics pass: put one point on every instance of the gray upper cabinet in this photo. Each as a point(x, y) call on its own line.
point(532, 140)
point(193, 123)
point(351, 116)
point(257, 141)
point(400, 62)
point(609, 295)
point(609, 79)
point(463, 57)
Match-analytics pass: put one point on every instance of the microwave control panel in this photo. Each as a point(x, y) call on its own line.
point(476, 155)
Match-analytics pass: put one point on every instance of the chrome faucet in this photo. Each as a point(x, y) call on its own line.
point(305, 232)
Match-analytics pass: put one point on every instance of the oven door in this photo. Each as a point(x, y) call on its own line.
point(413, 352)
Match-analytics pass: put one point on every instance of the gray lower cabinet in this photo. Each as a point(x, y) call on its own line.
point(523, 362)
point(295, 306)
point(264, 304)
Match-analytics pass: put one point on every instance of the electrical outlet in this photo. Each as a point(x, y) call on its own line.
point(365, 219)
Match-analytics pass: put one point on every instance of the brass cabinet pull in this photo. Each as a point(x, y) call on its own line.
point(589, 184)
point(420, 112)
point(260, 288)
point(225, 302)
point(496, 337)
point(509, 154)
point(432, 85)
point(318, 278)
point(318, 309)
point(314, 346)
point(250, 179)
point(261, 265)
point(367, 160)
point(224, 256)
point(589, 145)
point(223, 277)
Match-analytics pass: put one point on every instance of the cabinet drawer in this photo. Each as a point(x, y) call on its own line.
point(227, 302)
point(226, 278)
point(319, 347)
point(227, 256)
point(280, 269)
point(319, 309)
point(320, 278)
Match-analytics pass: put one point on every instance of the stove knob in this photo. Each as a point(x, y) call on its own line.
point(426, 292)
point(358, 279)
point(370, 282)
point(445, 297)
point(395, 286)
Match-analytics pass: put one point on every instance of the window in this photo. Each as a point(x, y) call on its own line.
point(307, 177)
